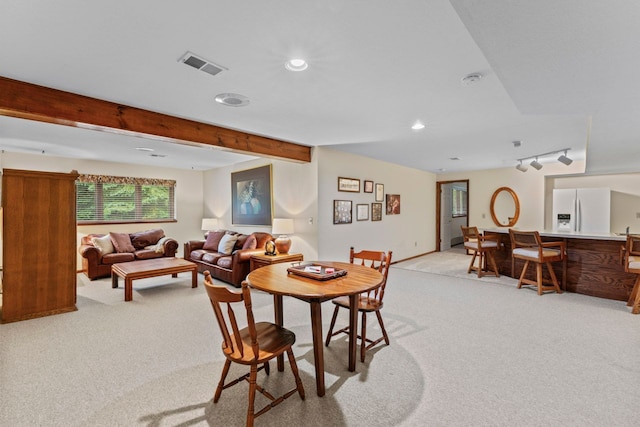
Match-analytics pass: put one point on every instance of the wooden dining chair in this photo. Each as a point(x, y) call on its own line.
point(527, 246)
point(254, 345)
point(368, 302)
point(632, 265)
point(483, 248)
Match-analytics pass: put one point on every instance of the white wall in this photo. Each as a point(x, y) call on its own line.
point(188, 192)
point(529, 187)
point(409, 234)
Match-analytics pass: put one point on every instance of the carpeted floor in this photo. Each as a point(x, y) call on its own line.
point(464, 352)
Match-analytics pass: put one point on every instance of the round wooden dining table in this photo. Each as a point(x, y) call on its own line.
point(274, 279)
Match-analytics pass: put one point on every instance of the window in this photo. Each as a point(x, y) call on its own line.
point(114, 199)
point(459, 205)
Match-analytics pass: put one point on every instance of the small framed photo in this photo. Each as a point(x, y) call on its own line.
point(393, 204)
point(376, 211)
point(351, 185)
point(379, 192)
point(342, 212)
point(368, 186)
point(362, 212)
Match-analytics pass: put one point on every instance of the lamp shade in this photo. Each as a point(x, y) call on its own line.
point(282, 226)
point(209, 224)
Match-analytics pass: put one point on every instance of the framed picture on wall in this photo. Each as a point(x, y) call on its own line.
point(342, 211)
point(379, 192)
point(362, 212)
point(351, 185)
point(368, 186)
point(251, 196)
point(393, 204)
point(376, 211)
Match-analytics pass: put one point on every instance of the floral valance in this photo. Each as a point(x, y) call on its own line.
point(108, 179)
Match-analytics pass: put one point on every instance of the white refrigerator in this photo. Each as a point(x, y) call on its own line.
point(584, 210)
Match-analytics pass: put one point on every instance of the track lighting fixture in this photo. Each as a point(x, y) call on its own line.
point(537, 165)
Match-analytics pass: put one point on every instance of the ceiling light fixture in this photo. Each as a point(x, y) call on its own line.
point(144, 149)
point(564, 159)
point(418, 125)
point(521, 167)
point(470, 79)
point(536, 164)
point(296, 65)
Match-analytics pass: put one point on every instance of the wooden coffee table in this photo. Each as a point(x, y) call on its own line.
point(144, 269)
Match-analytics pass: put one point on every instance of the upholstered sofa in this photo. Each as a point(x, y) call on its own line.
point(100, 251)
point(226, 254)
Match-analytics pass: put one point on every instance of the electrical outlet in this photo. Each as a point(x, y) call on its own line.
point(638, 215)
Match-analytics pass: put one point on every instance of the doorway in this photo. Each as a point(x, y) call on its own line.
point(452, 211)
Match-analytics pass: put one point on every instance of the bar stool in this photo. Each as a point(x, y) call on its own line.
point(632, 265)
point(527, 246)
point(482, 248)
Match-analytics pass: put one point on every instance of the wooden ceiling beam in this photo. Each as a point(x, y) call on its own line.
point(29, 101)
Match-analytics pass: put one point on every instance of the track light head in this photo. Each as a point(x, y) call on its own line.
point(536, 164)
point(521, 167)
point(564, 159)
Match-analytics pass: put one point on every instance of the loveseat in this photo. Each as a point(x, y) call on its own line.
point(100, 251)
point(226, 254)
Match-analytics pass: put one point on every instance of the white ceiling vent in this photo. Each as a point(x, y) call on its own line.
point(201, 64)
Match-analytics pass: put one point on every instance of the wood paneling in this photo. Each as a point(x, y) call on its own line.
point(39, 244)
point(593, 267)
point(33, 102)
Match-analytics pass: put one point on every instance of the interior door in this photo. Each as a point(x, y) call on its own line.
point(446, 205)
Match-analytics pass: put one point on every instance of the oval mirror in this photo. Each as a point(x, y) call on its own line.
point(505, 207)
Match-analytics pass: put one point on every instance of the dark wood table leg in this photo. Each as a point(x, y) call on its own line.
point(279, 319)
point(128, 289)
point(353, 330)
point(318, 351)
point(194, 278)
point(114, 280)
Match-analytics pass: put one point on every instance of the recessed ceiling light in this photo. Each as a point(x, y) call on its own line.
point(472, 78)
point(144, 149)
point(296, 65)
point(454, 158)
point(232, 99)
point(158, 155)
point(418, 125)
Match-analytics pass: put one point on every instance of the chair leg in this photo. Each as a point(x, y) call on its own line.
point(252, 395)
point(294, 369)
point(539, 277)
point(363, 337)
point(492, 262)
point(225, 371)
point(384, 331)
point(524, 271)
point(554, 279)
point(333, 323)
point(473, 260)
point(634, 292)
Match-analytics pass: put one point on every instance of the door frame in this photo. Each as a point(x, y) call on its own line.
point(439, 185)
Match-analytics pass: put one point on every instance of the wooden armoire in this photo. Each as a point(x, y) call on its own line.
point(39, 244)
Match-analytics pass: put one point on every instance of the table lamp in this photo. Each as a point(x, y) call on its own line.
point(209, 224)
point(282, 226)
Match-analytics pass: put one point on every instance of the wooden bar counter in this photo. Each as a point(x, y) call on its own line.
point(593, 265)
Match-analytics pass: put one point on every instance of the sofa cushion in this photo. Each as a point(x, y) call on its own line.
point(225, 261)
point(197, 254)
point(227, 243)
point(213, 240)
point(146, 254)
point(141, 239)
point(122, 242)
point(211, 257)
point(250, 243)
point(116, 257)
point(103, 244)
point(242, 238)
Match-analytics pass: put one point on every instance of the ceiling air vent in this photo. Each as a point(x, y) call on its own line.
point(201, 64)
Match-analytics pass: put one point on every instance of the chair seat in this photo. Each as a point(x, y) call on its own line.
point(634, 263)
point(364, 303)
point(533, 254)
point(486, 244)
point(272, 339)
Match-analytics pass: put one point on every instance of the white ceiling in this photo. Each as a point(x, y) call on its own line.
point(549, 68)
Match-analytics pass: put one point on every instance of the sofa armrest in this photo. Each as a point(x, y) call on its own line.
point(89, 252)
point(244, 255)
point(192, 245)
point(170, 247)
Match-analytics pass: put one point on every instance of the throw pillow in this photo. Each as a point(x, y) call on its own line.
point(145, 238)
point(213, 240)
point(159, 248)
point(103, 244)
point(122, 242)
point(250, 243)
point(227, 243)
